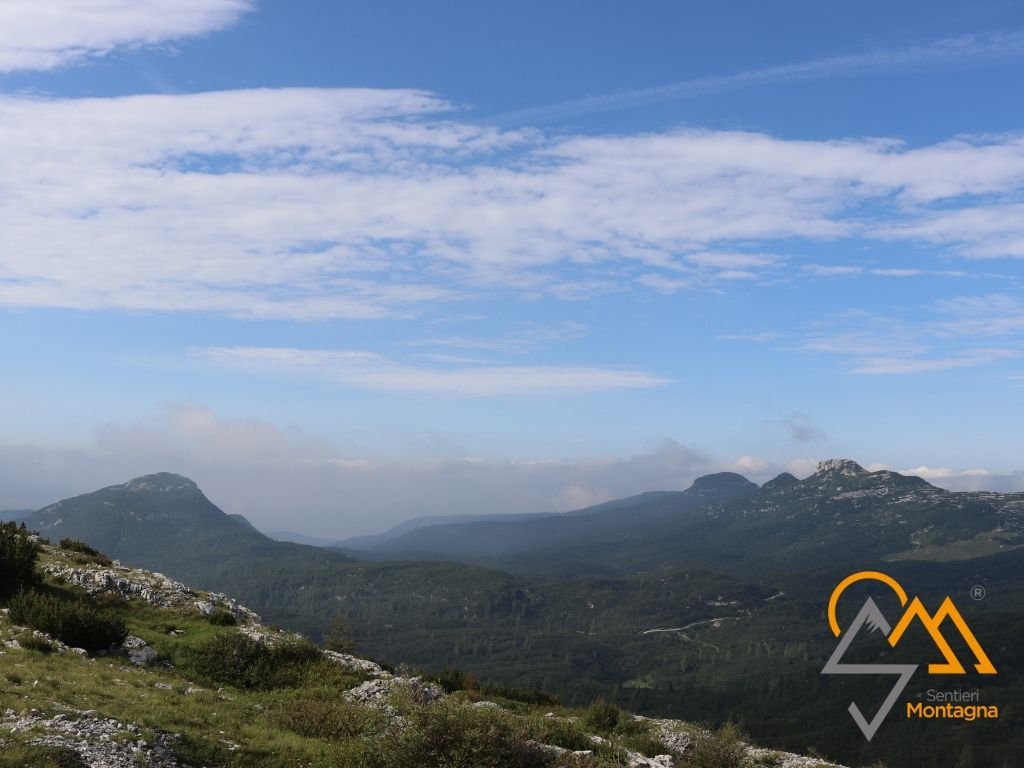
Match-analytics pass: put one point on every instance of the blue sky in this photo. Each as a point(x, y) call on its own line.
point(360, 261)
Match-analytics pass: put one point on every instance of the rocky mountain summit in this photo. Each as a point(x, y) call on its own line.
point(114, 709)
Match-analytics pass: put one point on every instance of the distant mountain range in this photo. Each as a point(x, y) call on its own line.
point(374, 540)
point(841, 513)
point(704, 603)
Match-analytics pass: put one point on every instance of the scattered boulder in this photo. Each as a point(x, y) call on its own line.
point(356, 664)
point(378, 692)
point(139, 652)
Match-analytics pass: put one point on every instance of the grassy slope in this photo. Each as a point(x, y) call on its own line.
point(309, 724)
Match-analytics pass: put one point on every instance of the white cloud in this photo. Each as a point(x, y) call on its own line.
point(991, 315)
point(885, 364)
point(833, 270)
point(45, 35)
point(374, 371)
point(288, 479)
point(957, 51)
point(750, 464)
point(308, 204)
point(939, 337)
point(524, 339)
point(988, 230)
point(898, 272)
point(802, 467)
point(969, 479)
point(283, 477)
point(759, 337)
point(929, 473)
point(731, 260)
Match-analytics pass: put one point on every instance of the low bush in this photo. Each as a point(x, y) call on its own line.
point(561, 732)
point(32, 642)
point(24, 756)
point(723, 748)
point(240, 661)
point(75, 622)
point(334, 719)
point(524, 695)
point(602, 716)
point(17, 558)
point(456, 680)
point(222, 618)
point(339, 637)
point(457, 735)
point(638, 736)
point(90, 555)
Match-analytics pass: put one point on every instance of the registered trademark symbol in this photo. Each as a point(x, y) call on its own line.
point(978, 592)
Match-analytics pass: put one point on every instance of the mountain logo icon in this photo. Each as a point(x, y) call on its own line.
point(872, 618)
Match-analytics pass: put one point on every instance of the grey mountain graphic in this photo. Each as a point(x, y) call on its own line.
point(871, 617)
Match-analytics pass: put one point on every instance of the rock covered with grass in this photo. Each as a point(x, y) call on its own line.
point(154, 588)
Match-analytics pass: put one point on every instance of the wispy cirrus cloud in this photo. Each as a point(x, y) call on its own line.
point(965, 332)
point(962, 332)
point(894, 364)
point(949, 51)
point(521, 340)
point(369, 370)
point(55, 33)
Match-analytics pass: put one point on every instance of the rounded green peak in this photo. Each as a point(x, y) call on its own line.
point(160, 482)
point(783, 480)
point(720, 481)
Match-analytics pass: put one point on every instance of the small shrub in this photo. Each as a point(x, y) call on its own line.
point(238, 660)
point(524, 695)
point(723, 748)
point(74, 622)
point(17, 558)
point(323, 718)
point(91, 555)
point(457, 735)
point(222, 618)
point(25, 756)
point(339, 638)
point(561, 732)
point(31, 642)
point(453, 680)
point(637, 735)
point(602, 716)
point(14, 678)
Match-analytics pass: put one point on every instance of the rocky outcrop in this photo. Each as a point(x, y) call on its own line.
point(363, 666)
point(99, 742)
point(155, 588)
point(139, 653)
point(378, 692)
point(844, 467)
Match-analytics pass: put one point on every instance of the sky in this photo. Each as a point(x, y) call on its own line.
point(346, 263)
